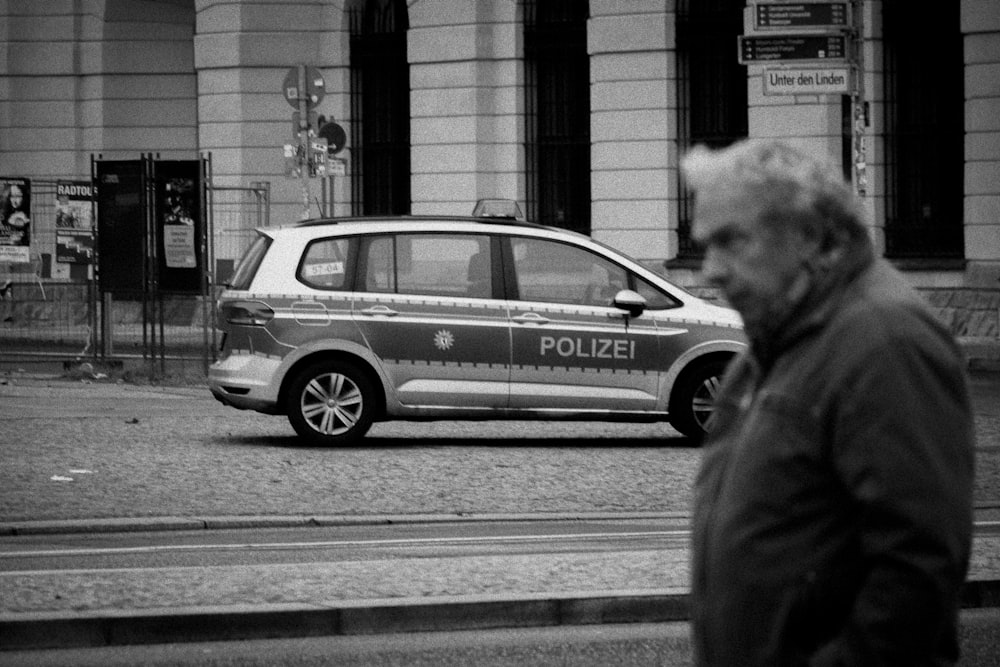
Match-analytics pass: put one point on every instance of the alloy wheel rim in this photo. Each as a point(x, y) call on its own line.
point(703, 402)
point(332, 404)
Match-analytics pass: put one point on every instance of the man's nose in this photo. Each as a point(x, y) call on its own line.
point(714, 269)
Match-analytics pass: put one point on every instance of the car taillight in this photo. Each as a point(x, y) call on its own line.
point(247, 313)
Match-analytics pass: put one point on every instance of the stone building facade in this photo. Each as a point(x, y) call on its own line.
point(481, 84)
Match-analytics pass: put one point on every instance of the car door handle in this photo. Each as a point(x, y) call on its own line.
point(380, 310)
point(530, 318)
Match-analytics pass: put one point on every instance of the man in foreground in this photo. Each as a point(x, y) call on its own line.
point(833, 511)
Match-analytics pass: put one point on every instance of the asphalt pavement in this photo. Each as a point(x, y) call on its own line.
point(484, 592)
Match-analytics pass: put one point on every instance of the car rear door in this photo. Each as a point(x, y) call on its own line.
point(572, 350)
point(425, 305)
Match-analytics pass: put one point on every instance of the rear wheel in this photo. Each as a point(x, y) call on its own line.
point(331, 403)
point(693, 399)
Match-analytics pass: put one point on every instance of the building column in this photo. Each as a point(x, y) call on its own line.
point(981, 27)
point(242, 53)
point(633, 71)
point(466, 104)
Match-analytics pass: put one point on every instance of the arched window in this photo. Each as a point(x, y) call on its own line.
point(924, 127)
point(380, 107)
point(711, 87)
point(557, 100)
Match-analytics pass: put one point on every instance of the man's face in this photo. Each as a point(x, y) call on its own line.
point(15, 196)
point(760, 270)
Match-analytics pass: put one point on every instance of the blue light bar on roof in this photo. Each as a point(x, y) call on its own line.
point(498, 208)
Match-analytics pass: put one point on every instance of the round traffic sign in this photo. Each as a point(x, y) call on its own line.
point(335, 136)
point(312, 88)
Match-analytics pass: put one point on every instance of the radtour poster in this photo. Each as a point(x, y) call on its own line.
point(74, 222)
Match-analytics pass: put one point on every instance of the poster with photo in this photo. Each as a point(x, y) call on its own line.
point(74, 222)
point(74, 205)
point(179, 208)
point(15, 220)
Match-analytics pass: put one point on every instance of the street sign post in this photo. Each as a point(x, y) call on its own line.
point(303, 89)
point(818, 47)
point(859, 107)
point(297, 123)
point(755, 49)
point(798, 15)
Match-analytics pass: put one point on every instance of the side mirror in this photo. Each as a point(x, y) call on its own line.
point(630, 301)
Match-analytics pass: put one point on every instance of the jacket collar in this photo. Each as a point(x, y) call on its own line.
point(829, 289)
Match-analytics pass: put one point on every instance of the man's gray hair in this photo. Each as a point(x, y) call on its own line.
point(793, 187)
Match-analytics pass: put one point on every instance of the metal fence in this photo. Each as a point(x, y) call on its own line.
point(235, 213)
point(52, 310)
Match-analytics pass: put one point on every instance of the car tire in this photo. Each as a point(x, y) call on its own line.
point(331, 403)
point(693, 398)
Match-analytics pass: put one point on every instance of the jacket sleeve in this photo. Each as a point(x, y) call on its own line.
point(902, 445)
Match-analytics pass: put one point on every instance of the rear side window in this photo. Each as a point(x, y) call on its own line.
point(456, 265)
point(250, 262)
point(324, 264)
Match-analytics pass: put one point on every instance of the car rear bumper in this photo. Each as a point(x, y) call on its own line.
point(246, 381)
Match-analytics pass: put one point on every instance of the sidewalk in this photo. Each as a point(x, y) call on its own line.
point(983, 354)
point(394, 595)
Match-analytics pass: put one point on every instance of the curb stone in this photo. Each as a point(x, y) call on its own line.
point(364, 617)
point(141, 524)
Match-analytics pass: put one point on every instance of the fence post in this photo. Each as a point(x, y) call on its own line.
point(107, 339)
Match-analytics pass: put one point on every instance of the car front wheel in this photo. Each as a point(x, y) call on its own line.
point(331, 403)
point(693, 400)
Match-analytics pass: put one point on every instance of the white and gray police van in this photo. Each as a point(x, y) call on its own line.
point(341, 322)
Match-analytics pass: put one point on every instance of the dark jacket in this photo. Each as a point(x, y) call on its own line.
point(833, 510)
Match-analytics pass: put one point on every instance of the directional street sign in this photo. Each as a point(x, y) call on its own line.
point(807, 81)
point(792, 47)
point(782, 16)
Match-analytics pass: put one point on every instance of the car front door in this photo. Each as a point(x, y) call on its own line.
point(572, 350)
point(425, 307)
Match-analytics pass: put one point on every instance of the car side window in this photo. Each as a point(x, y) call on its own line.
point(560, 273)
point(456, 265)
point(324, 264)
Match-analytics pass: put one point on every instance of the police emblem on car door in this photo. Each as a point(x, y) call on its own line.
point(425, 306)
point(572, 349)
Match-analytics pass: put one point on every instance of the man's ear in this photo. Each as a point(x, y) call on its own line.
point(828, 248)
point(807, 242)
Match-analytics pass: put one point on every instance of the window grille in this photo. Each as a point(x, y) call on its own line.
point(380, 107)
point(711, 88)
point(924, 121)
point(557, 100)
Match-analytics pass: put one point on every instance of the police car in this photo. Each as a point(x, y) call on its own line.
point(338, 323)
